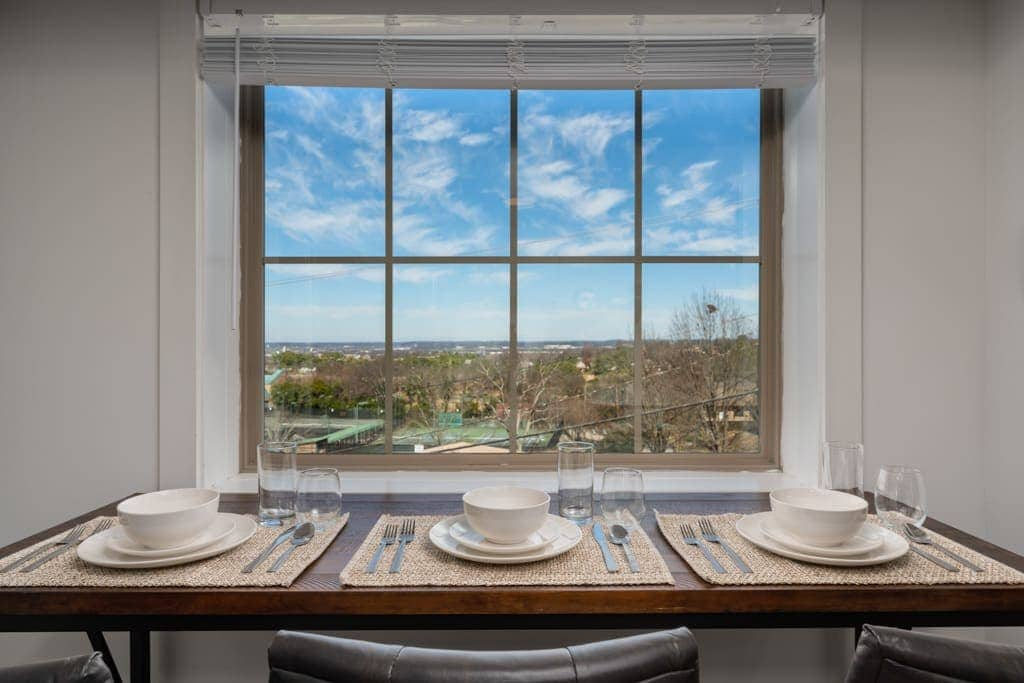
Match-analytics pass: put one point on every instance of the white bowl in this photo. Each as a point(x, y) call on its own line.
point(505, 514)
point(819, 517)
point(166, 519)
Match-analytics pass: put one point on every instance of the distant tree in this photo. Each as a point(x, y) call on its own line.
point(711, 353)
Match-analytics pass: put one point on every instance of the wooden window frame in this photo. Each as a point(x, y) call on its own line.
point(769, 259)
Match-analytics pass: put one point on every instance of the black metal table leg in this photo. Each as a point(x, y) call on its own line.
point(139, 656)
point(99, 644)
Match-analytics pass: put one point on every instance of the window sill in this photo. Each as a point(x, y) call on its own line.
point(656, 481)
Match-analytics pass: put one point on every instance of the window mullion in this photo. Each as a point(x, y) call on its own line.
point(638, 337)
point(513, 273)
point(389, 290)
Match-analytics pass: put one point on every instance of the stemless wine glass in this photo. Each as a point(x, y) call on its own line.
point(576, 481)
point(622, 496)
point(899, 496)
point(276, 471)
point(318, 499)
point(842, 467)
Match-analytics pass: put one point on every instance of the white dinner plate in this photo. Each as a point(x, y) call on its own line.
point(464, 534)
point(868, 539)
point(94, 549)
point(119, 542)
point(893, 546)
point(569, 534)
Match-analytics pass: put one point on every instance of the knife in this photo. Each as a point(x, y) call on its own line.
point(284, 536)
point(609, 561)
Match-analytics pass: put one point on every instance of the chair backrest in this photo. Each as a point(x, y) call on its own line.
point(892, 655)
point(81, 669)
point(664, 656)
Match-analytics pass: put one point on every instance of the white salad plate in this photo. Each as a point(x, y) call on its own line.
point(95, 550)
point(868, 539)
point(569, 534)
point(120, 542)
point(893, 546)
point(464, 534)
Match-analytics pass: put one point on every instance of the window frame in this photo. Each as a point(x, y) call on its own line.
point(769, 260)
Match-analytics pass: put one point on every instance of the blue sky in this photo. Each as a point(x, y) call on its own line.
point(325, 197)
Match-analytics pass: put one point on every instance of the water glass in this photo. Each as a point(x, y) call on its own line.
point(277, 473)
point(318, 498)
point(842, 467)
point(576, 481)
point(899, 496)
point(622, 496)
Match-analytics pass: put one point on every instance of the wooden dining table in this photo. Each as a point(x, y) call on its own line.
point(316, 601)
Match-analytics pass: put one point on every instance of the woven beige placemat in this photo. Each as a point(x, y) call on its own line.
point(425, 565)
point(771, 569)
point(222, 570)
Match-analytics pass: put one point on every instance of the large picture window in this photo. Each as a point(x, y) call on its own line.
point(463, 279)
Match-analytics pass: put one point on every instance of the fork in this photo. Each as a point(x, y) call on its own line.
point(389, 537)
point(70, 537)
point(406, 536)
point(707, 530)
point(690, 538)
point(102, 526)
point(919, 535)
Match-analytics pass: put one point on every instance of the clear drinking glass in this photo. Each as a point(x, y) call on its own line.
point(318, 497)
point(899, 496)
point(622, 496)
point(576, 481)
point(842, 467)
point(277, 473)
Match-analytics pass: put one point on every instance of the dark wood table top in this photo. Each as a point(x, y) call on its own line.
point(315, 600)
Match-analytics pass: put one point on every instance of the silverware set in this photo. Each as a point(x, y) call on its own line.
point(395, 533)
point(75, 536)
point(708, 535)
point(918, 536)
point(294, 536)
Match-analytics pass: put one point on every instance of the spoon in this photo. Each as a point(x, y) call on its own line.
point(303, 535)
point(620, 536)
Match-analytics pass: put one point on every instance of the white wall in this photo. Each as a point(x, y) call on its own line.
point(923, 252)
point(1004, 275)
point(78, 267)
point(78, 292)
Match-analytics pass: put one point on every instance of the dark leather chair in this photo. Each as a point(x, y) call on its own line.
point(81, 669)
point(892, 655)
point(665, 657)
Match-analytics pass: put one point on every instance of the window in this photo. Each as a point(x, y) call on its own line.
point(462, 279)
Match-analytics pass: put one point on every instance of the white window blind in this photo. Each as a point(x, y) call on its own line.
point(738, 53)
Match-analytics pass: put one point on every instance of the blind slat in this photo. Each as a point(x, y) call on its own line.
point(780, 61)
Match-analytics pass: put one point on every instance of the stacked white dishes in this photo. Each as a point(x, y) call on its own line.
point(166, 528)
point(821, 527)
point(505, 525)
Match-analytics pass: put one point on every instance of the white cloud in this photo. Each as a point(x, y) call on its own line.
point(474, 139)
point(718, 211)
point(599, 202)
point(593, 131)
point(310, 146)
point(695, 184)
point(415, 235)
point(292, 273)
point(430, 125)
point(350, 222)
point(557, 181)
point(423, 175)
point(420, 274)
point(311, 102)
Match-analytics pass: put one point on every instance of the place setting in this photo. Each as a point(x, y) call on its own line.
point(825, 535)
point(506, 535)
point(179, 537)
